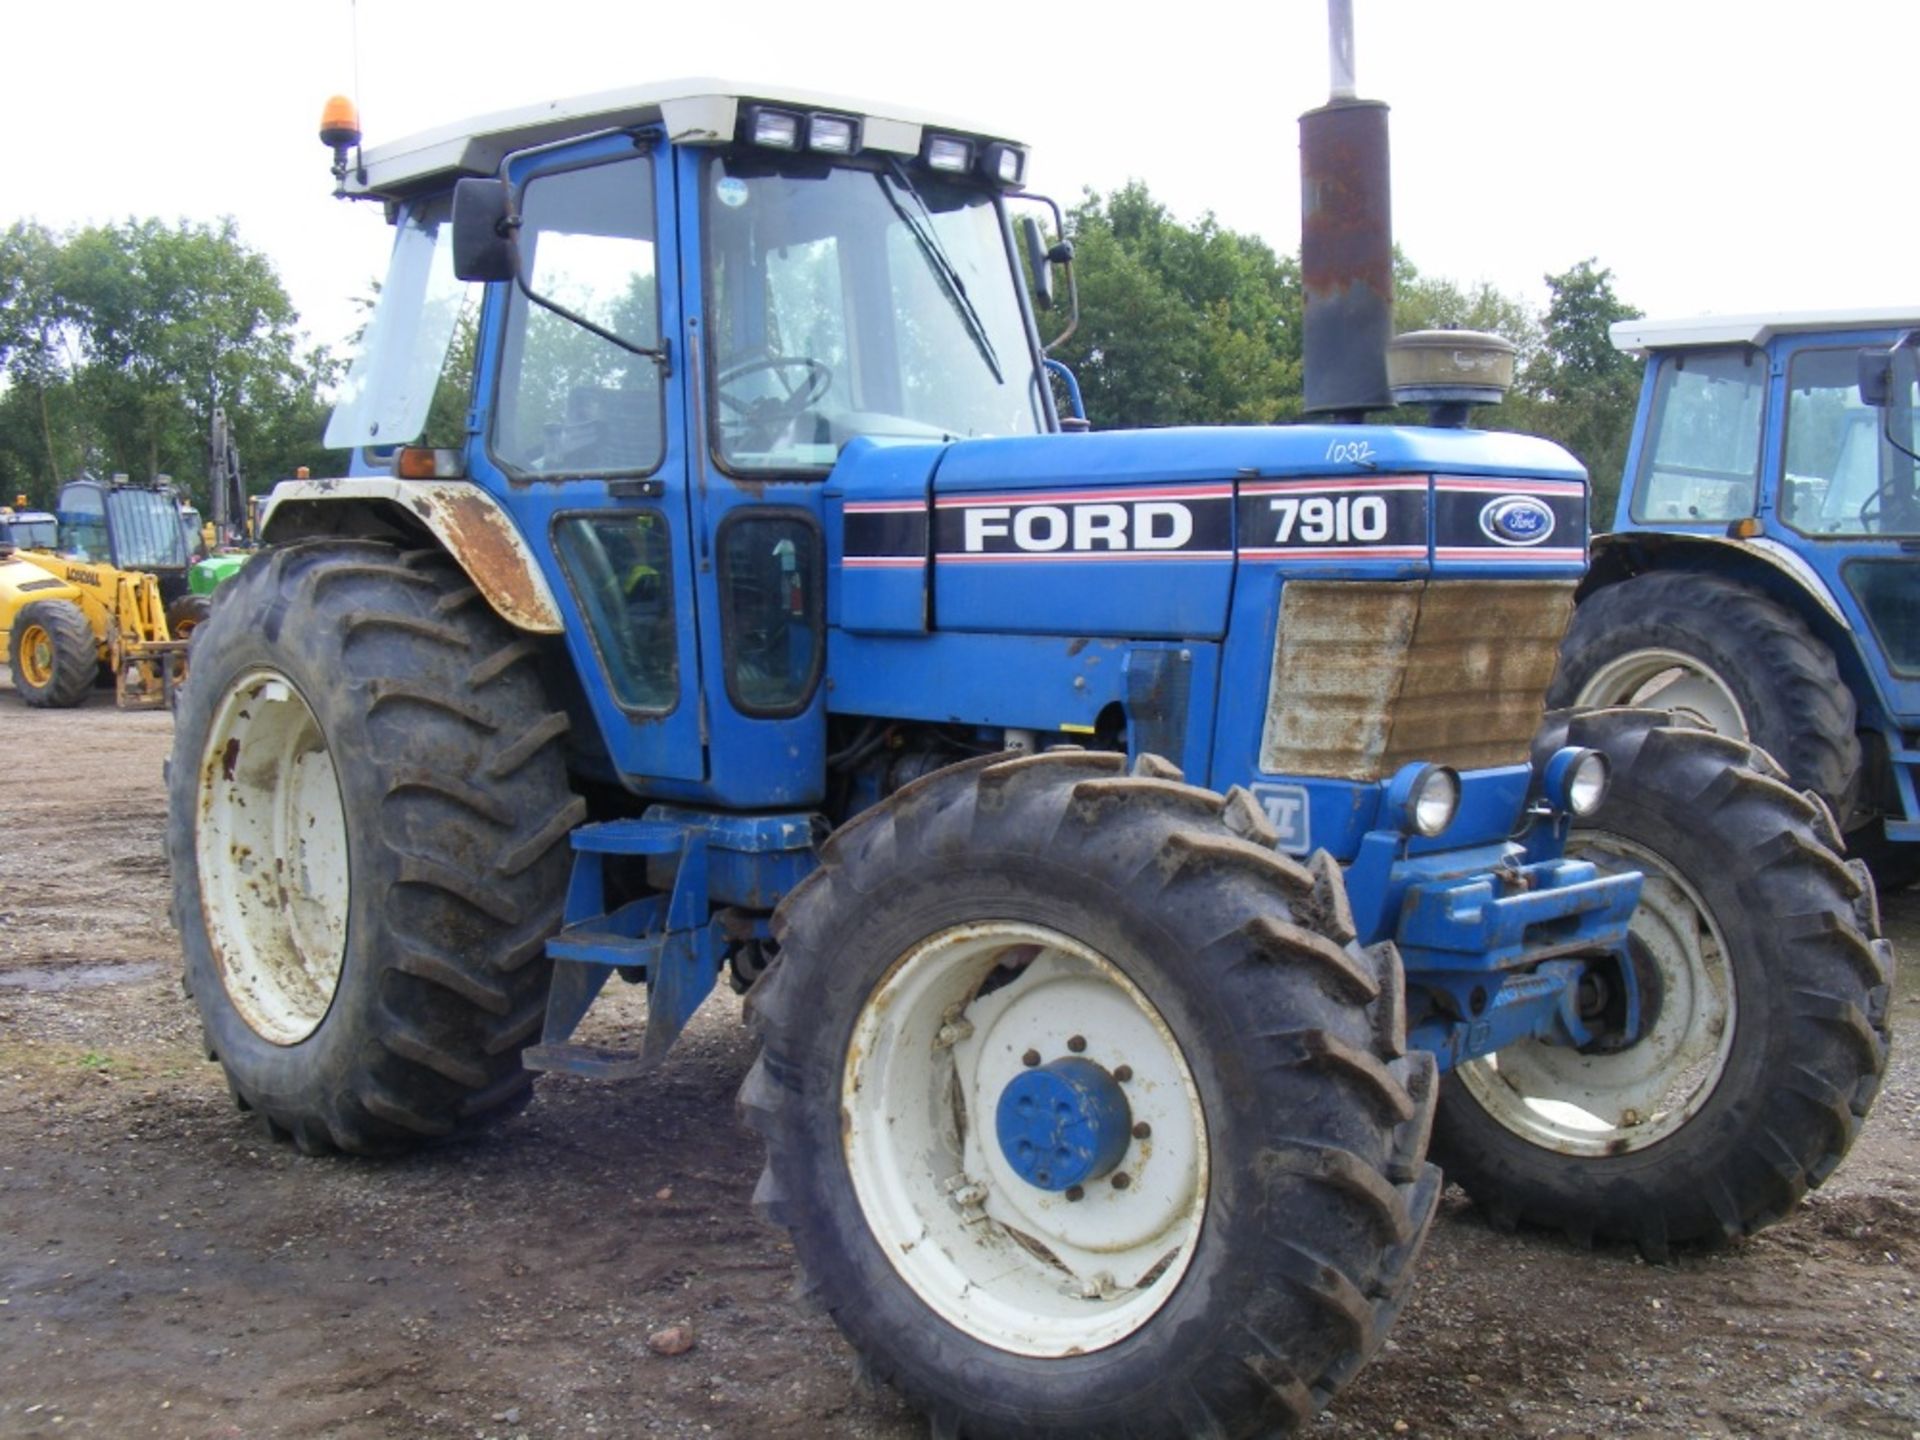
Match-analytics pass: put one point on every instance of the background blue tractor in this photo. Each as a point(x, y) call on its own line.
point(1116, 835)
point(1763, 573)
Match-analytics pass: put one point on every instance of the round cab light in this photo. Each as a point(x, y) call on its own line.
point(339, 123)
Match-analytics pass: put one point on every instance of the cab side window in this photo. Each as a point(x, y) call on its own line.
point(572, 402)
point(1701, 461)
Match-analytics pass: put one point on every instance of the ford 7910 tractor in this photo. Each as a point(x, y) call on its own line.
point(1118, 836)
point(1762, 575)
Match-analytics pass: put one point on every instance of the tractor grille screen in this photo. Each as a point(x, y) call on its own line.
point(1369, 675)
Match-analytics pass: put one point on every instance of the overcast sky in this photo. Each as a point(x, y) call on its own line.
point(1717, 156)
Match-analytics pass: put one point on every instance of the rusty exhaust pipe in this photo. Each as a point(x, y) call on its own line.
point(1346, 242)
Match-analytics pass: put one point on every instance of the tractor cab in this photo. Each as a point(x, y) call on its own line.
point(129, 525)
point(26, 529)
point(1773, 463)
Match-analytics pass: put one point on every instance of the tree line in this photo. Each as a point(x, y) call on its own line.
point(1196, 324)
point(117, 341)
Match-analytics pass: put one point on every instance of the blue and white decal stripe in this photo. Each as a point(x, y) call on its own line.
point(885, 534)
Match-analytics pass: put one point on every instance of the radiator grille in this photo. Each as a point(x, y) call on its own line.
point(1368, 675)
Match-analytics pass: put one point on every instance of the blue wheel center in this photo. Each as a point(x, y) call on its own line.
point(1063, 1123)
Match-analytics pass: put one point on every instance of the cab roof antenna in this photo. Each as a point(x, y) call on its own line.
point(340, 121)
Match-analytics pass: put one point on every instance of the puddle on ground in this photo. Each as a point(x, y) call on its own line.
point(77, 977)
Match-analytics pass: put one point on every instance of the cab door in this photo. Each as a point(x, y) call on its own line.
point(584, 436)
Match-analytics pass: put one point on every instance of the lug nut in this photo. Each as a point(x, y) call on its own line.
point(1077, 1043)
point(1121, 1180)
point(1030, 1059)
point(1142, 1130)
point(1076, 1192)
point(1123, 1073)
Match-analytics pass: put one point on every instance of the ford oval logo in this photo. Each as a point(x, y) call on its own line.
point(1516, 520)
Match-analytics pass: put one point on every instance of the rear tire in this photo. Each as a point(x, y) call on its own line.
point(1770, 1020)
point(52, 653)
point(1009, 905)
point(368, 829)
point(1723, 656)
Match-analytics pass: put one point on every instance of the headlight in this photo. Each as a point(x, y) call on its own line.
point(1425, 798)
point(1576, 780)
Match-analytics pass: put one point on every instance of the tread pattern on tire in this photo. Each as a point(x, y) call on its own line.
point(1339, 1024)
point(465, 823)
point(1831, 1024)
point(76, 654)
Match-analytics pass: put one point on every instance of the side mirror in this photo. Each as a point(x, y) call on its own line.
point(1876, 376)
point(1039, 261)
point(1879, 385)
point(483, 231)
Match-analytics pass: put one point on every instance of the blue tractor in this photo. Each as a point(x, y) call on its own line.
point(1763, 573)
point(1134, 847)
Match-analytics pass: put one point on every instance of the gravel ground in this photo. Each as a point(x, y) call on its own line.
point(165, 1271)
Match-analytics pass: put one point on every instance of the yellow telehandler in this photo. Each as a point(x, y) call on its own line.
point(62, 619)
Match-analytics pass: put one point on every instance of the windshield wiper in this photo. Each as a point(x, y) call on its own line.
point(936, 254)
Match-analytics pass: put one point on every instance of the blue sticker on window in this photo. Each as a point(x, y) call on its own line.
point(730, 191)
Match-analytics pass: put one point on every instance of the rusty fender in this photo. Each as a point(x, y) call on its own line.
point(469, 523)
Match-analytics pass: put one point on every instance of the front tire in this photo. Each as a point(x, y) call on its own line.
point(1766, 988)
point(1013, 916)
point(368, 822)
point(54, 657)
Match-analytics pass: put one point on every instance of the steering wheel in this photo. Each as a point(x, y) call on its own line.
point(766, 414)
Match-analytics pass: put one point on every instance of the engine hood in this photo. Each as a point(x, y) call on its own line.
point(1143, 533)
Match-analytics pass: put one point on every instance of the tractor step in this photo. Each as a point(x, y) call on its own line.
point(594, 1062)
point(595, 944)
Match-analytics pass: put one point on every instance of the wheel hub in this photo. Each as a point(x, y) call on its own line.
point(271, 846)
point(1064, 1123)
point(36, 655)
point(946, 1048)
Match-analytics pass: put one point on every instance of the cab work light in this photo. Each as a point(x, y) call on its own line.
point(945, 152)
point(1002, 162)
point(776, 129)
point(832, 135)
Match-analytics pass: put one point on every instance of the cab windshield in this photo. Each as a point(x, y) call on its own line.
point(31, 534)
point(131, 529)
point(849, 301)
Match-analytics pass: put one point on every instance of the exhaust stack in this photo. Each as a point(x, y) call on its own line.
point(1346, 241)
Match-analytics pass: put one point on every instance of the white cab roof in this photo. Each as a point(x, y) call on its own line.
point(701, 111)
point(1637, 337)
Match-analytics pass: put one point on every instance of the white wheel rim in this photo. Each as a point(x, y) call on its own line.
point(1020, 1268)
point(1614, 1104)
point(1668, 680)
point(272, 851)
